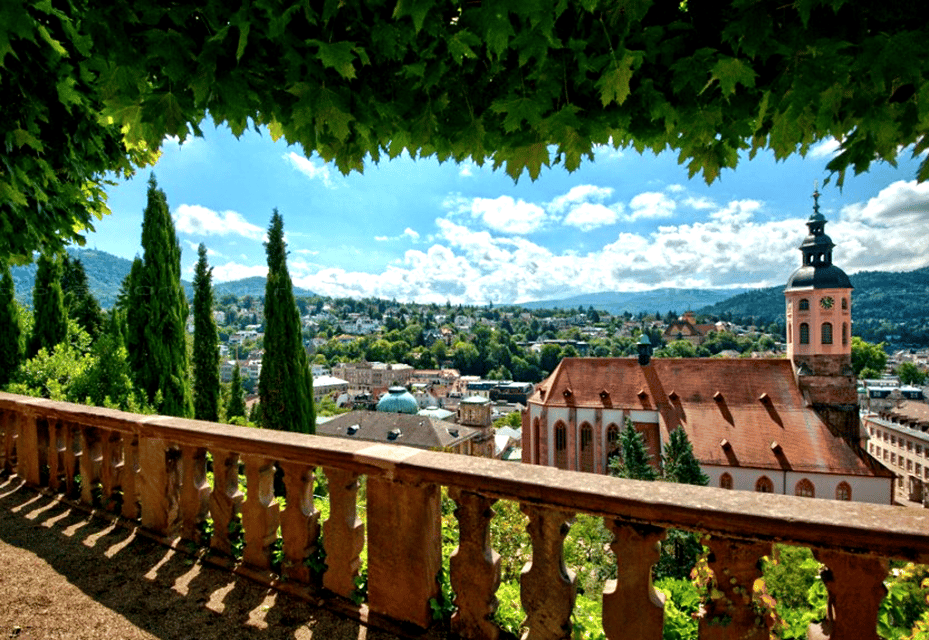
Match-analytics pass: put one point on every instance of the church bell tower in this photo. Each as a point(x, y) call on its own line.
point(819, 321)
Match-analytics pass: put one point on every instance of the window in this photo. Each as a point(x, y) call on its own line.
point(844, 333)
point(893, 458)
point(587, 448)
point(909, 465)
point(612, 437)
point(561, 446)
point(804, 333)
point(804, 304)
point(844, 304)
point(919, 449)
point(725, 481)
point(805, 489)
point(827, 333)
point(843, 491)
point(918, 470)
point(764, 485)
point(909, 445)
point(893, 440)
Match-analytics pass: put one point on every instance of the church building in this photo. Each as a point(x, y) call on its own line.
point(788, 426)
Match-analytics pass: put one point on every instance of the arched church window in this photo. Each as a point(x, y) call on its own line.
point(612, 437)
point(844, 333)
point(561, 446)
point(725, 481)
point(587, 448)
point(764, 485)
point(804, 333)
point(827, 333)
point(843, 491)
point(805, 489)
point(804, 304)
point(844, 304)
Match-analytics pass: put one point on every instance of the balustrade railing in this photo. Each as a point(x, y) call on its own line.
point(153, 470)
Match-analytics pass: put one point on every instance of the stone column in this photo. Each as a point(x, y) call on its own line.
point(547, 588)
point(475, 568)
point(631, 606)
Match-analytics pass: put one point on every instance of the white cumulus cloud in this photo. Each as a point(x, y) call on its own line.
point(310, 169)
point(651, 204)
point(588, 216)
point(236, 271)
point(507, 215)
point(197, 220)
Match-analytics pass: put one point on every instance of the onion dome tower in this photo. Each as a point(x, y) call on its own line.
point(818, 315)
point(398, 400)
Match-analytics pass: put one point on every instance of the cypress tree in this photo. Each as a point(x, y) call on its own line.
point(285, 386)
point(11, 351)
point(130, 304)
point(80, 304)
point(206, 344)
point(50, 326)
point(161, 312)
point(236, 404)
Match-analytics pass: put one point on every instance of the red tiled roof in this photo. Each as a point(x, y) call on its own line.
point(749, 403)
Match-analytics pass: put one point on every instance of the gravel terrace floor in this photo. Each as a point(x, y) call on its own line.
point(67, 574)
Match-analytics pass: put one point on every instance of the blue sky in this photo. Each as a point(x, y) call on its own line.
point(417, 230)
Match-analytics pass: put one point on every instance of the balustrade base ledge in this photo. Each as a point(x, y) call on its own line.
point(315, 596)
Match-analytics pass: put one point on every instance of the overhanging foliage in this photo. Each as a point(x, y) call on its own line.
point(91, 88)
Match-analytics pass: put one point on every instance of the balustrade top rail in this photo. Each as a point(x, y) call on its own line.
point(847, 526)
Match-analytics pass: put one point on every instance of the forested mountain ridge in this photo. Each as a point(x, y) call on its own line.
point(618, 302)
point(885, 306)
point(106, 272)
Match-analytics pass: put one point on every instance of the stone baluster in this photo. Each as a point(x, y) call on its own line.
point(56, 448)
point(158, 486)
point(547, 588)
point(27, 449)
point(736, 565)
point(343, 533)
point(71, 457)
point(856, 589)
point(299, 523)
point(260, 513)
point(631, 606)
point(6, 442)
point(129, 476)
point(404, 549)
point(475, 568)
point(226, 499)
point(111, 467)
point(90, 463)
point(195, 493)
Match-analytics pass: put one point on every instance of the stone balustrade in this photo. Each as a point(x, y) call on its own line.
point(153, 470)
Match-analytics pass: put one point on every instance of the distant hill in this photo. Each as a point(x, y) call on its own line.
point(106, 272)
point(885, 306)
point(654, 300)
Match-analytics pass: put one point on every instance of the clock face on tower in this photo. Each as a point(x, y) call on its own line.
point(826, 302)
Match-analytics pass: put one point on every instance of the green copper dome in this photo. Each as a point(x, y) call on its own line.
point(398, 400)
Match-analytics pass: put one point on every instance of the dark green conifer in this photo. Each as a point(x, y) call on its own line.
point(130, 303)
point(11, 350)
point(206, 344)
point(236, 405)
point(80, 304)
point(159, 312)
point(50, 325)
point(680, 465)
point(285, 385)
point(633, 462)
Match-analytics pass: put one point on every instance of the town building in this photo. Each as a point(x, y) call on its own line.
point(788, 426)
point(370, 376)
point(900, 440)
point(328, 386)
point(687, 329)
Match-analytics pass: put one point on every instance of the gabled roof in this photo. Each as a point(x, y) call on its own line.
point(753, 405)
point(409, 430)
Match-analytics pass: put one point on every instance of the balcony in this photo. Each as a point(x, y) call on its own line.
point(151, 472)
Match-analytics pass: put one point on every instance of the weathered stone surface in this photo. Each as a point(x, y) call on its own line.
point(736, 565)
point(158, 486)
point(343, 532)
point(226, 499)
point(195, 492)
point(404, 549)
point(89, 463)
point(856, 589)
point(475, 568)
point(27, 450)
point(130, 478)
point(299, 523)
point(260, 513)
point(631, 606)
point(547, 588)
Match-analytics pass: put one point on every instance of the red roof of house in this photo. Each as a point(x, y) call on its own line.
point(754, 405)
